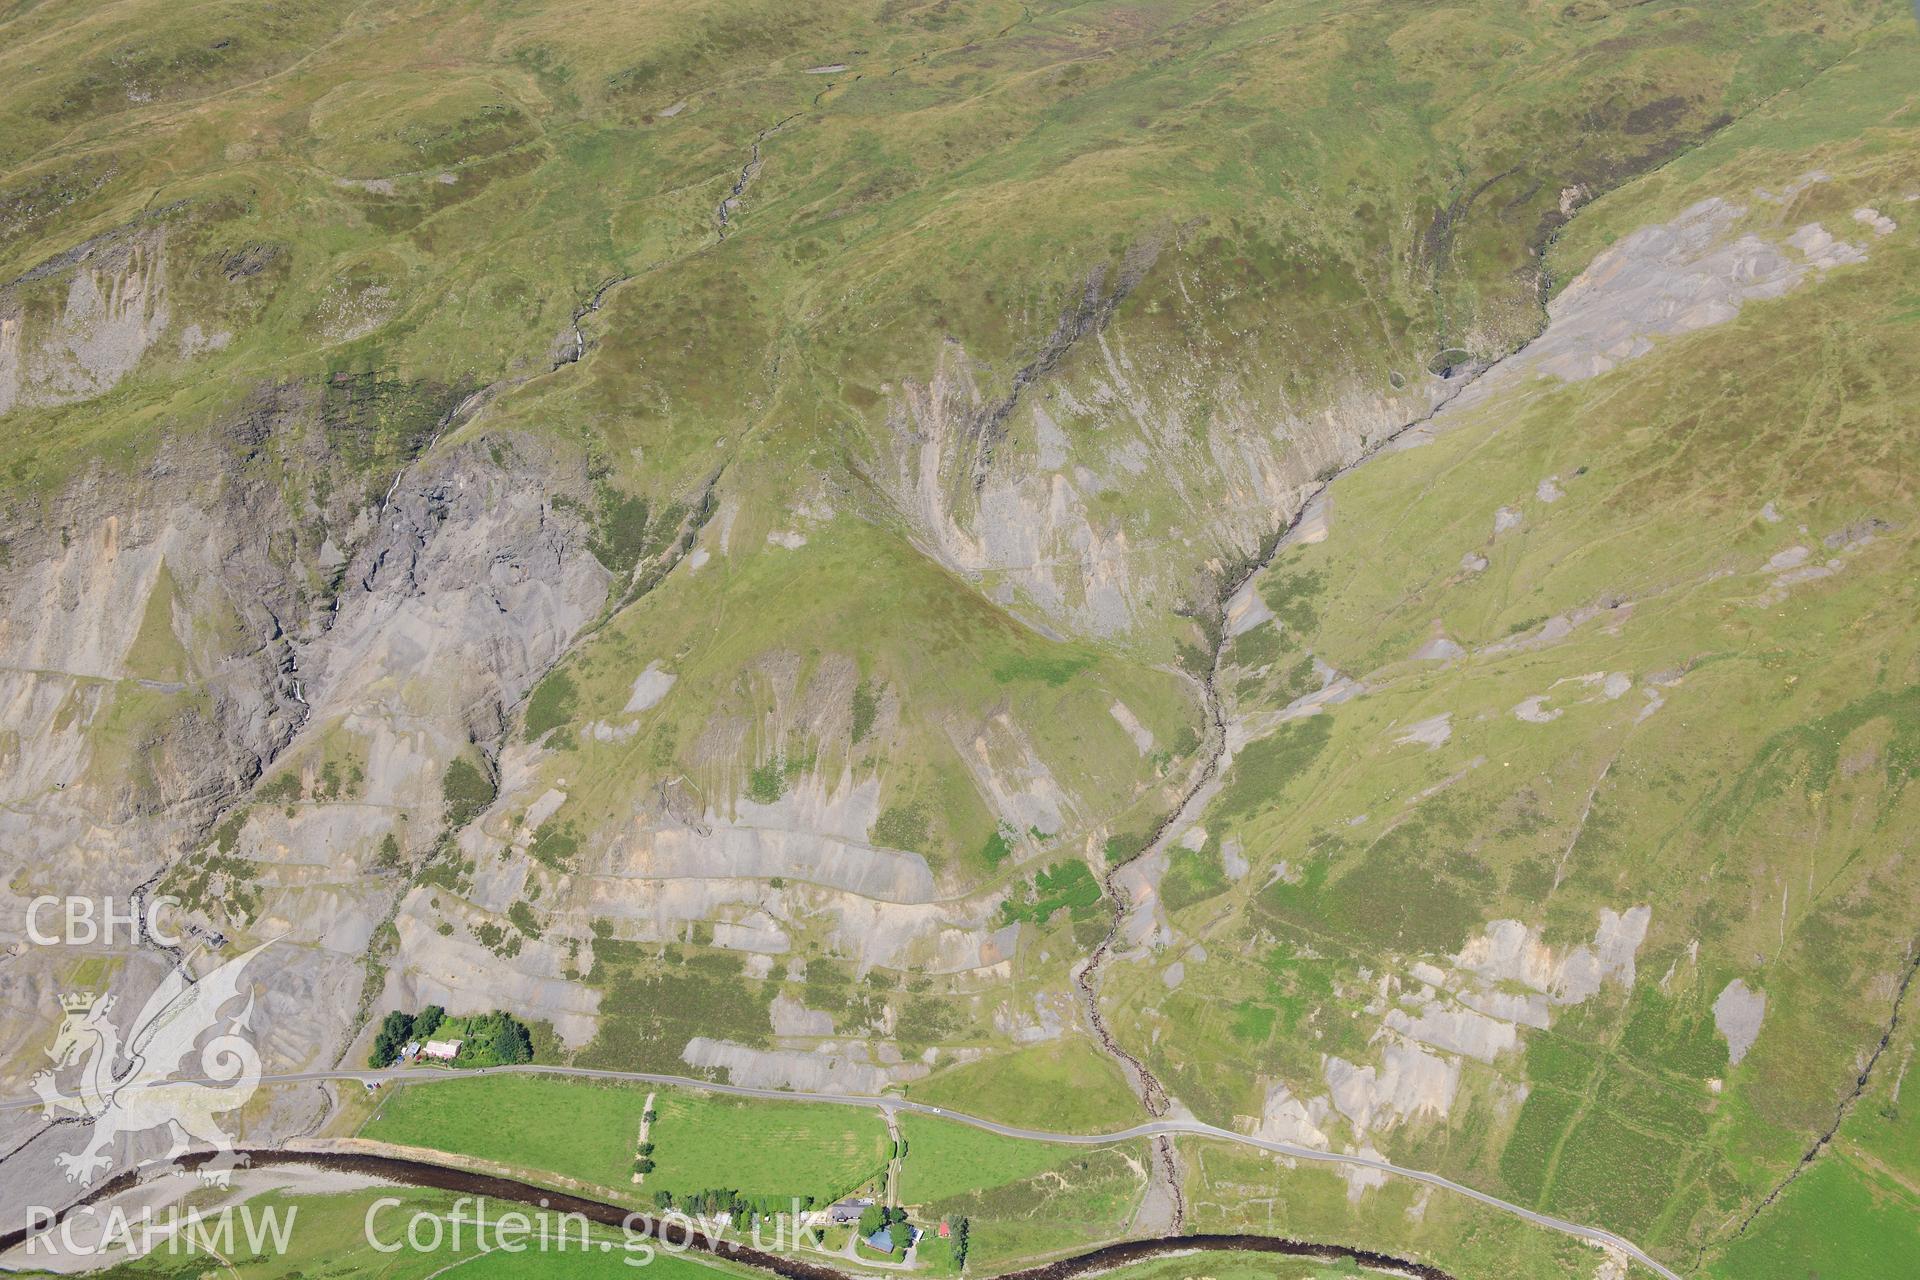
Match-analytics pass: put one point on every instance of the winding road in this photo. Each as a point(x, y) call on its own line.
point(1157, 1128)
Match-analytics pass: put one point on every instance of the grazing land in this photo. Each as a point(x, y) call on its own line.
point(1340, 572)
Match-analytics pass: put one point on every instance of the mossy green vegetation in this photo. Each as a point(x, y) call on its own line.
point(1064, 1085)
point(1066, 886)
point(654, 1000)
point(550, 706)
point(467, 791)
point(918, 414)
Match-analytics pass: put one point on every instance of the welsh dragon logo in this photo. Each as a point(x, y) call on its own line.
point(128, 1087)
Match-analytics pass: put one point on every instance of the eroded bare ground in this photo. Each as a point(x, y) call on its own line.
point(1663, 280)
point(463, 571)
point(1216, 753)
point(202, 693)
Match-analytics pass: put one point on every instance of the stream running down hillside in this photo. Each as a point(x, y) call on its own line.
point(1152, 1094)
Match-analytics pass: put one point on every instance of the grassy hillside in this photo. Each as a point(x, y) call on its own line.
point(717, 527)
point(1619, 693)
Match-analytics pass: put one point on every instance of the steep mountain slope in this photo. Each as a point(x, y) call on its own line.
point(749, 536)
point(1567, 853)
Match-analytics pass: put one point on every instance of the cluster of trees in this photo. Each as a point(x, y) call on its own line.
point(957, 1241)
point(878, 1218)
point(643, 1162)
point(496, 1038)
point(714, 1202)
point(400, 1027)
point(487, 1040)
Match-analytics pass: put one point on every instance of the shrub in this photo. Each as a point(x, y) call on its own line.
point(866, 707)
point(511, 1041)
point(554, 844)
point(902, 826)
point(551, 705)
point(467, 791)
point(395, 1031)
point(766, 783)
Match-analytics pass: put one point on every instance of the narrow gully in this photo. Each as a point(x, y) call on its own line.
point(1153, 1095)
